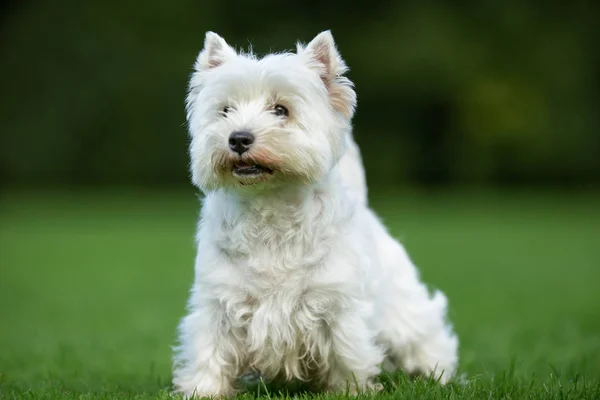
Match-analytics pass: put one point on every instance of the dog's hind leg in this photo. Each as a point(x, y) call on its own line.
point(413, 327)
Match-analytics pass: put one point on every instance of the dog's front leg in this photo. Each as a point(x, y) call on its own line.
point(207, 358)
point(357, 358)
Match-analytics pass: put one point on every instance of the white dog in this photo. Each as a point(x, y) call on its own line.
point(295, 277)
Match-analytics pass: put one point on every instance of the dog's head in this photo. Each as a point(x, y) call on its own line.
point(262, 123)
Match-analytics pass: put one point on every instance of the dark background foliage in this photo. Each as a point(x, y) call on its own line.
point(471, 92)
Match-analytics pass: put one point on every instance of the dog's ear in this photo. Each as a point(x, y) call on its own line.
point(216, 51)
point(323, 56)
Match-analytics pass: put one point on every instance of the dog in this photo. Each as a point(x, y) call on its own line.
point(296, 279)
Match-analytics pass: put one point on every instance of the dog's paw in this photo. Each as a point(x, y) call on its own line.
point(369, 387)
point(374, 387)
point(203, 389)
point(195, 395)
point(352, 389)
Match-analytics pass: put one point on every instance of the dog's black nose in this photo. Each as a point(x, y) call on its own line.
point(240, 142)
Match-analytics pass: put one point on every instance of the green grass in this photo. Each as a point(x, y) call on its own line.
point(92, 287)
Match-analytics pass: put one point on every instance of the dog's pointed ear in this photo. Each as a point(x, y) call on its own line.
point(323, 56)
point(216, 51)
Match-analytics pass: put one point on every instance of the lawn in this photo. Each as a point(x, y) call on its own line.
point(92, 287)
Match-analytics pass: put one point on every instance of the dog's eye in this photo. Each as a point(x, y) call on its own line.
point(226, 110)
point(280, 111)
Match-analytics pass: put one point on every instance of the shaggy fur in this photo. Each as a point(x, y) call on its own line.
point(295, 277)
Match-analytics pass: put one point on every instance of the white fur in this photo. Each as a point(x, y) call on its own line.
point(295, 276)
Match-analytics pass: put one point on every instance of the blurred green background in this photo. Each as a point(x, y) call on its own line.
point(472, 92)
point(493, 104)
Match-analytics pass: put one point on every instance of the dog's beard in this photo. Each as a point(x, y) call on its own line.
point(250, 168)
point(258, 165)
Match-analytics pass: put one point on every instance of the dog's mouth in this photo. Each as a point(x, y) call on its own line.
point(244, 169)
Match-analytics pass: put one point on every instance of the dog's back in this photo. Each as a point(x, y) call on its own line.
point(353, 173)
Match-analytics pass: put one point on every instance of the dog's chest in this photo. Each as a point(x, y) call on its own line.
point(278, 305)
point(285, 331)
point(272, 247)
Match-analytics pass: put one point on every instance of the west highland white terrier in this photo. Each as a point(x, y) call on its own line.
point(296, 279)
